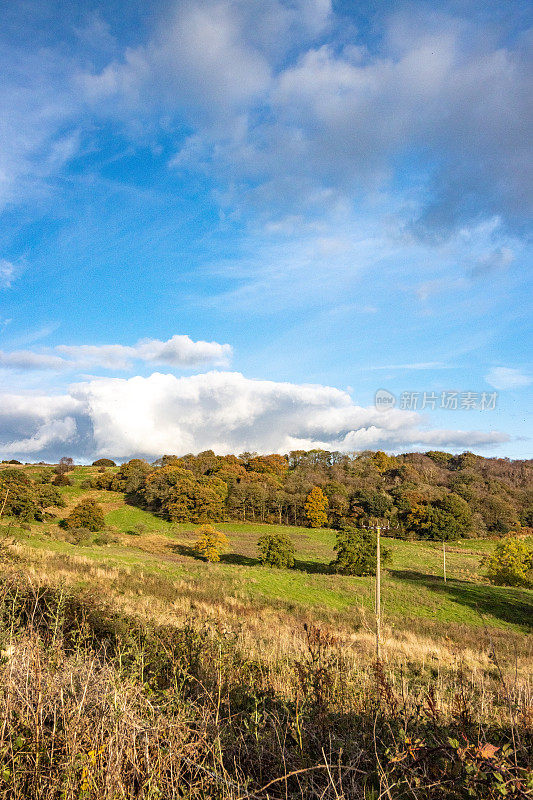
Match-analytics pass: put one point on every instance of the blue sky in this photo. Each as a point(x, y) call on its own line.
point(227, 224)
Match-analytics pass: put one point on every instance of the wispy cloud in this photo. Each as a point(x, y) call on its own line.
point(7, 273)
point(35, 335)
point(28, 360)
point(178, 351)
point(494, 261)
point(422, 365)
point(507, 378)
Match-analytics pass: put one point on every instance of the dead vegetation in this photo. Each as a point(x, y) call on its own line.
point(160, 693)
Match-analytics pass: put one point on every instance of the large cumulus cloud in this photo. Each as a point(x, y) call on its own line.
point(220, 410)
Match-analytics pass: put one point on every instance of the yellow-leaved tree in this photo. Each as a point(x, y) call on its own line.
point(316, 506)
point(210, 543)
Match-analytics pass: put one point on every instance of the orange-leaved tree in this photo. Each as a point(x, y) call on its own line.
point(210, 543)
point(316, 505)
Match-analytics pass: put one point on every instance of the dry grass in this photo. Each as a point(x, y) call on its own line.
point(272, 637)
point(100, 704)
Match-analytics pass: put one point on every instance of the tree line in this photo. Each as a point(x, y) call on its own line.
point(435, 495)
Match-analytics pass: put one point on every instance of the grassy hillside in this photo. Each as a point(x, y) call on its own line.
point(130, 668)
point(142, 546)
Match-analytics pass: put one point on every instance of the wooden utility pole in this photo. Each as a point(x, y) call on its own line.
point(378, 527)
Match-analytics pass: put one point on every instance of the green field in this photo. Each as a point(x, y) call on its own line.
point(414, 594)
point(153, 661)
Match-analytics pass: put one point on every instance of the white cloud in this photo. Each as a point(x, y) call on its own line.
point(220, 410)
point(507, 378)
point(181, 351)
point(7, 273)
point(201, 60)
point(38, 425)
point(340, 117)
point(210, 58)
point(38, 131)
point(27, 359)
point(178, 351)
point(52, 433)
point(274, 95)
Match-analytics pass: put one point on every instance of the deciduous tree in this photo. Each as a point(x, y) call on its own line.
point(210, 543)
point(511, 564)
point(356, 552)
point(315, 507)
point(276, 550)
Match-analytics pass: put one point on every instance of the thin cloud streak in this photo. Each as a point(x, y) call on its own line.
point(179, 351)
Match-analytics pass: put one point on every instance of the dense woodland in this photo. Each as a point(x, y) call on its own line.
point(435, 495)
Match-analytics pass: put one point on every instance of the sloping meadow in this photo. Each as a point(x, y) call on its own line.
point(96, 704)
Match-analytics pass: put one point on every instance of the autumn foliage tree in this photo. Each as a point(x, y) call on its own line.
point(511, 564)
point(210, 543)
point(315, 507)
point(433, 495)
point(182, 497)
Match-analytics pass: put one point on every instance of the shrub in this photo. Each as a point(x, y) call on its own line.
point(356, 552)
point(19, 497)
point(105, 537)
point(103, 462)
point(276, 550)
point(511, 564)
point(210, 543)
point(79, 536)
point(130, 477)
point(48, 496)
point(87, 514)
point(62, 479)
point(102, 480)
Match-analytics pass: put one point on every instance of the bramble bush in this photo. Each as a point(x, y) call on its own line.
point(88, 514)
point(276, 550)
